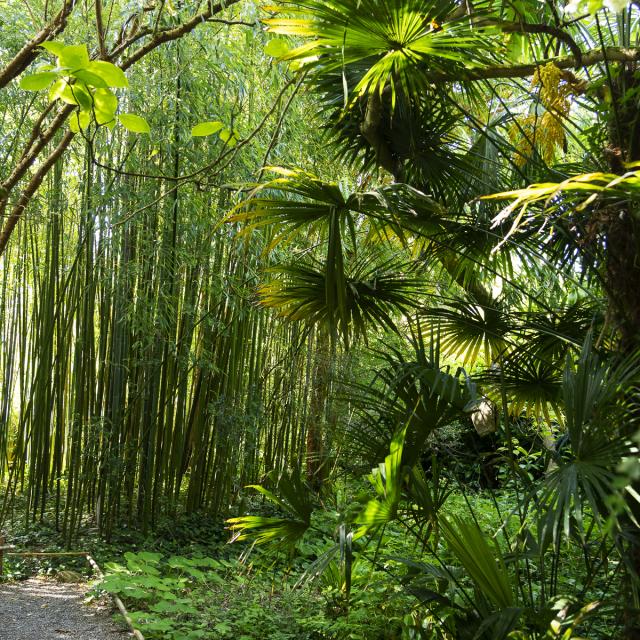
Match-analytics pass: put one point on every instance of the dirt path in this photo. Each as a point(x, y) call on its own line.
point(38, 609)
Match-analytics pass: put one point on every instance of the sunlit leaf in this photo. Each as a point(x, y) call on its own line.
point(134, 123)
point(206, 128)
point(90, 78)
point(106, 104)
point(55, 92)
point(37, 81)
point(75, 93)
point(74, 57)
point(276, 48)
point(80, 119)
point(228, 137)
point(112, 75)
point(54, 47)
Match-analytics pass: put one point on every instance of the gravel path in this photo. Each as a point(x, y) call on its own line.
point(39, 609)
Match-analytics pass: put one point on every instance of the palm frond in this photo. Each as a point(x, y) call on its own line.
point(532, 385)
point(375, 293)
point(387, 480)
point(561, 199)
point(551, 335)
point(470, 331)
point(290, 495)
point(483, 561)
point(414, 392)
point(296, 202)
point(400, 41)
point(599, 423)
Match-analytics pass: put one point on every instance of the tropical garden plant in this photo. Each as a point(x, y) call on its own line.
point(376, 261)
point(383, 72)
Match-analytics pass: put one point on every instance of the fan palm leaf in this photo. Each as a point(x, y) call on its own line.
point(469, 331)
point(295, 201)
point(375, 293)
point(401, 41)
point(344, 295)
point(532, 385)
point(599, 422)
point(550, 335)
point(291, 496)
point(483, 561)
point(414, 393)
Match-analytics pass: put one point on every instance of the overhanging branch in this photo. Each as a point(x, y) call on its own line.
point(38, 141)
point(30, 51)
point(555, 32)
point(589, 58)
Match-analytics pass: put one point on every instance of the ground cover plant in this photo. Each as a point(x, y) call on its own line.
point(321, 319)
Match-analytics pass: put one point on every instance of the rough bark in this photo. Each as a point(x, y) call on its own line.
point(622, 237)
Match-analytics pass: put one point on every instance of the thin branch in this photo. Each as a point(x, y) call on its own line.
point(100, 30)
point(556, 32)
point(191, 177)
point(30, 51)
point(233, 22)
point(30, 189)
point(589, 58)
point(276, 133)
point(35, 148)
point(167, 35)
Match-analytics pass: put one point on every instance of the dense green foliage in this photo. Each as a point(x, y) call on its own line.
point(357, 278)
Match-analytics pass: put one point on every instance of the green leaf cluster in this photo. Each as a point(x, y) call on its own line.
point(88, 84)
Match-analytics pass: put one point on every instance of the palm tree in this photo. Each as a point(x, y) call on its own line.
point(399, 83)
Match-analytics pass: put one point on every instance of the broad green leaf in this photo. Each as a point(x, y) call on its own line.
point(206, 128)
point(105, 100)
point(167, 606)
point(228, 137)
point(53, 47)
point(105, 105)
point(66, 95)
point(74, 57)
point(112, 75)
point(78, 94)
point(276, 48)
point(79, 120)
point(90, 78)
point(56, 89)
point(104, 117)
point(37, 81)
point(149, 556)
point(134, 123)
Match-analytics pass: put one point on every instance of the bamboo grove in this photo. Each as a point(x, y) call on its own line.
point(137, 369)
point(370, 254)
